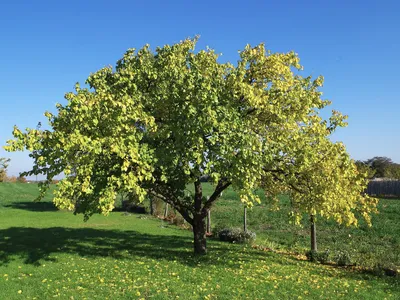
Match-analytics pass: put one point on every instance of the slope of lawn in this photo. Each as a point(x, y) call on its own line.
point(370, 247)
point(45, 253)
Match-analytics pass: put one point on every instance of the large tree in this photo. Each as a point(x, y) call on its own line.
point(164, 119)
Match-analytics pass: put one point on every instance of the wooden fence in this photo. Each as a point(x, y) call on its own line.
point(384, 188)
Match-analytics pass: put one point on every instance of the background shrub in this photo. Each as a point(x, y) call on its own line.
point(236, 235)
point(343, 258)
point(321, 257)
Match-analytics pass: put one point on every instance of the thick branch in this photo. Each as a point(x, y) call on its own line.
point(169, 196)
point(177, 205)
point(221, 186)
point(276, 177)
point(250, 111)
point(291, 185)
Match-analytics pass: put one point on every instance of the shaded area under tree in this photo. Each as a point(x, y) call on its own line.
point(35, 245)
point(33, 206)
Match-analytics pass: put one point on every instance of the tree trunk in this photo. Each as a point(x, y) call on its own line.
point(245, 219)
point(199, 224)
point(209, 221)
point(313, 234)
point(199, 232)
point(151, 206)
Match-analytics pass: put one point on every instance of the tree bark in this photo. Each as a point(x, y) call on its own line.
point(199, 232)
point(313, 234)
point(151, 206)
point(199, 224)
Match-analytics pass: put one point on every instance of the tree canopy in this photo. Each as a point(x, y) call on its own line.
point(164, 119)
point(324, 181)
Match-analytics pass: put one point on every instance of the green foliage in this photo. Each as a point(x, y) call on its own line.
point(383, 167)
point(315, 256)
point(393, 171)
point(340, 258)
point(236, 235)
point(364, 168)
point(165, 119)
point(321, 178)
point(380, 165)
point(343, 258)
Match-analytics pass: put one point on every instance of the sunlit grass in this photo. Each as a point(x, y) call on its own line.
point(46, 254)
point(378, 245)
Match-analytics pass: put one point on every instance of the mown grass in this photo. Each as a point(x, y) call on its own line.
point(45, 253)
point(371, 247)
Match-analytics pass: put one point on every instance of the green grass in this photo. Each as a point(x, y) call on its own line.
point(45, 254)
point(369, 247)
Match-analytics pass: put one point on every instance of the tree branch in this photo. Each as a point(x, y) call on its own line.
point(176, 204)
point(276, 177)
point(221, 186)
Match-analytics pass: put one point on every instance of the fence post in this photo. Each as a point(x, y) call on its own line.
point(209, 221)
point(313, 234)
point(166, 211)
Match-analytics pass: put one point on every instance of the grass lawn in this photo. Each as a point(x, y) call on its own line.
point(366, 246)
point(45, 253)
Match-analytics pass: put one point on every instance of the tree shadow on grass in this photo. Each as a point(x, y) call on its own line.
point(36, 245)
point(33, 206)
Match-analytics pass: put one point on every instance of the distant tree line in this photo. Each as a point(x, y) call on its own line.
point(3, 168)
point(379, 167)
point(3, 172)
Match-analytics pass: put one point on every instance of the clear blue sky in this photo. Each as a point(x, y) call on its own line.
point(48, 46)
